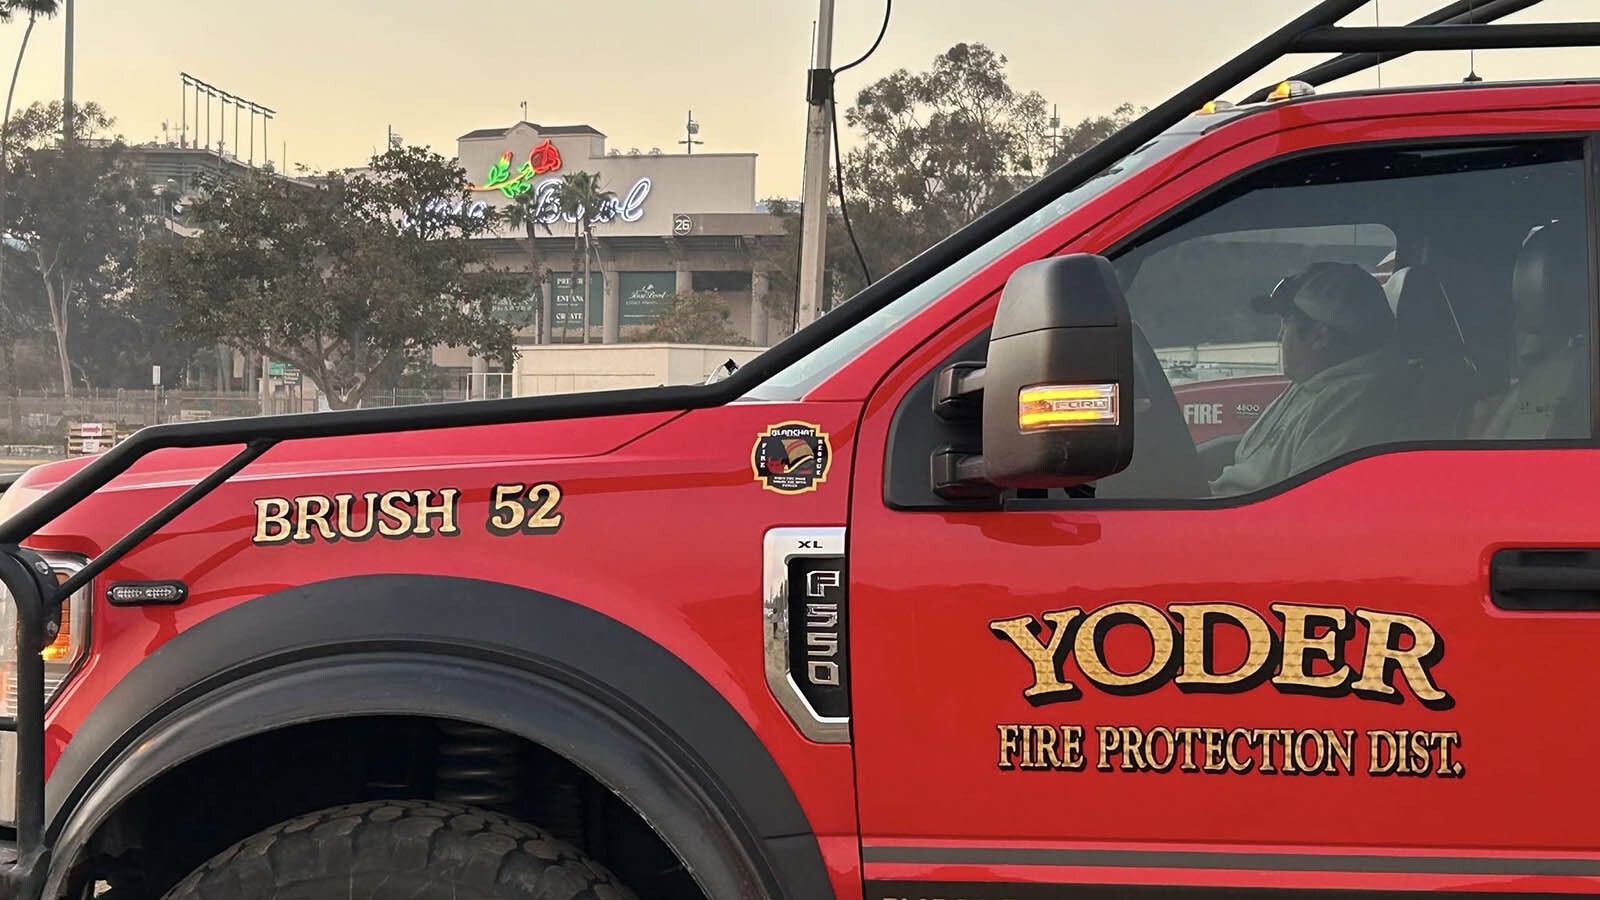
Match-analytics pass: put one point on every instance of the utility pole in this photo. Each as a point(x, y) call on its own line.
point(66, 92)
point(814, 189)
point(1054, 134)
point(265, 387)
point(588, 325)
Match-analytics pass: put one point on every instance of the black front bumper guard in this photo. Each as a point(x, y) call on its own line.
point(38, 598)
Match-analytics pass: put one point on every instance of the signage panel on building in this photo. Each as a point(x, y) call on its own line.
point(567, 312)
point(517, 312)
point(644, 296)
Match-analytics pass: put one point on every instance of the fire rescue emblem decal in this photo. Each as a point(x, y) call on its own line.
point(792, 457)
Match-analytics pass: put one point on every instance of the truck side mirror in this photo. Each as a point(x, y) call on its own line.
point(1055, 394)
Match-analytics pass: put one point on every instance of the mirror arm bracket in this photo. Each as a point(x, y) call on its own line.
point(958, 474)
point(958, 396)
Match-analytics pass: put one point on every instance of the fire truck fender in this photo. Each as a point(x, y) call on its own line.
point(605, 696)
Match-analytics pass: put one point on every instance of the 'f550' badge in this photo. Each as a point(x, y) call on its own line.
point(792, 457)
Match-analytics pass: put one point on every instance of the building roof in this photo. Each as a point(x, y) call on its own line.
point(542, 129)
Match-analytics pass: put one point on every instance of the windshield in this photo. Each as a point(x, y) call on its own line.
point(794, 381)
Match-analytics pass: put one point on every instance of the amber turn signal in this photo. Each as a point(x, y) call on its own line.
point(60, 649)
point(1045, 406)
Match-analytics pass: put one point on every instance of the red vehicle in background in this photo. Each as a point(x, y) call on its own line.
point(932, 599)
point(1227, 407)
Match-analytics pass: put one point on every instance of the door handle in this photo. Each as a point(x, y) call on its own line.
point(1550, 580)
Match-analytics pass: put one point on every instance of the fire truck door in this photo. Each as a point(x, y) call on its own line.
point(1363, 668)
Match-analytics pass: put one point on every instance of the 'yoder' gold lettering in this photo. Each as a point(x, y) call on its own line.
point(1299, 645)
point(1381, 652)
point(1196, 620)
point(1309, 657)
point(1087, 648)
point(1023, 633)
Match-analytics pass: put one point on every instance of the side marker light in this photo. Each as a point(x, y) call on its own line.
point(1046, 406)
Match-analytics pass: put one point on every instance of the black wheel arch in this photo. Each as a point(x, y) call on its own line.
point(601, 694)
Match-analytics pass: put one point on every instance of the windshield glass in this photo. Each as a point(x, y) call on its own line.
point(793, 381)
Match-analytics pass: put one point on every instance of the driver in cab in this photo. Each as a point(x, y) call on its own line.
point(1335, 335)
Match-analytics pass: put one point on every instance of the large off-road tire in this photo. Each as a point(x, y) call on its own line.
point(401, 850)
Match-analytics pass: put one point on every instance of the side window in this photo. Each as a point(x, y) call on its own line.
point(1336, 303)
point(1223, 358)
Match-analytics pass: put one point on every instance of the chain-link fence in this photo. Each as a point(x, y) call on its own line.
point(43, 419)
point(467, 386)
point(33, 417)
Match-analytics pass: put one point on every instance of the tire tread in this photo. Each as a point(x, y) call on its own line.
point(462, 852)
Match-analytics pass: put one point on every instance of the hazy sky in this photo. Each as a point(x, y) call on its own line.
point(339, 73)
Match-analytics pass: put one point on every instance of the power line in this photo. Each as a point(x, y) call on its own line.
point(838, 154)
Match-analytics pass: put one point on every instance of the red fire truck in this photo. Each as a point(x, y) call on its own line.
point(938, 597)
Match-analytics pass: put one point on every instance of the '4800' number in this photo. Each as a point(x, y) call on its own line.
point(524, 509)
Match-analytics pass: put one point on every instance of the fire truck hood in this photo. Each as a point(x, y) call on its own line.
point(551, 439)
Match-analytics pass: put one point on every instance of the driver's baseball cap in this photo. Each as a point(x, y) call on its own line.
point(1343, 296)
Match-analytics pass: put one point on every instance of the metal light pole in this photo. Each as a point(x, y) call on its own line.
point(691, 129)
point(814, 190)
point(265, 387)
point(587, 324)
point(66, 92)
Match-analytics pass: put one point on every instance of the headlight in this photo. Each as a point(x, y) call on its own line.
point(18, 495)
point(61, 658)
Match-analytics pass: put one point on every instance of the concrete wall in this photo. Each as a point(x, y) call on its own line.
point(1207, 362)
point(565, 369)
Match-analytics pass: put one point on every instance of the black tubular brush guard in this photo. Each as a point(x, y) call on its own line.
point(1458, 25)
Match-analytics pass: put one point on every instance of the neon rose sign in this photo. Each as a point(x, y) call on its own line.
point(543, 160)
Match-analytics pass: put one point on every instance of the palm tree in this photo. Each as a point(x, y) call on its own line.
point(523, 213)
point(580, 199)
point(9, 10)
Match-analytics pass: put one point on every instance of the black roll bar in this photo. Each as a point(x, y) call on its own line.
point(1461, 12)
point(1451, 37)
